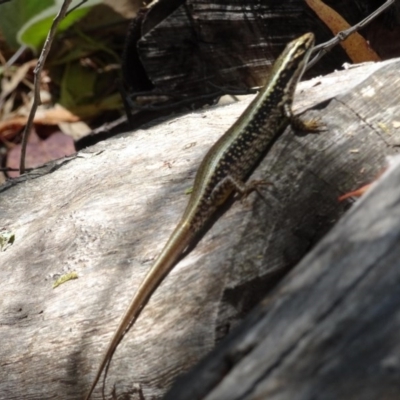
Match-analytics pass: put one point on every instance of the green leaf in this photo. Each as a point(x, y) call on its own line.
point(7, 238)
point(25, 22)
point(15, 13)
point(77, 85)
point(65, 278)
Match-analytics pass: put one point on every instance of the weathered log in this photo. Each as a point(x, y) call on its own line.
point(106, 213)
point(330, 330)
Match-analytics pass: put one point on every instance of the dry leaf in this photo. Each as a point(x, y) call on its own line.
point(38, 151)
point(76, 130)
point(11, 126)
point(355, 193)
point(8, 86)
point(127, 8)
point(360, 191)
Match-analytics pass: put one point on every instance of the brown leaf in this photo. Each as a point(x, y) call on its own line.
point(52, 116)
point(10, 85)
point(355, 193)
point(38, 151)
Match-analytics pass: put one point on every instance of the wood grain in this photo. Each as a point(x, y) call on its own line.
point(106, 213)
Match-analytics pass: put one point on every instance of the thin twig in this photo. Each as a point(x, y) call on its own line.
point(324, 48)
point(4, 1)
point(37, 71)
point(16, 55)
point(233, 91)
point(9, 169)
point(178, 103)
point(221, 91)
point(77, 6)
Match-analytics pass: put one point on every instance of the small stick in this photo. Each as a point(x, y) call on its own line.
point(8, 169)
point(37, 71)
point(77, 6)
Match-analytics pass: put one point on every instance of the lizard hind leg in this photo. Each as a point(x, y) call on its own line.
point(254, 186)
point(230, 184)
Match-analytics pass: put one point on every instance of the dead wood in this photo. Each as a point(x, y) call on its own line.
point(330, 330)
point(180, 49)
point(106, 213)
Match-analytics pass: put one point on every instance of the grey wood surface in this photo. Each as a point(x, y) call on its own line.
point(330, 330)
point(106, 213)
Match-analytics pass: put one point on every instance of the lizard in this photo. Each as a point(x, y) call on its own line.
point(224, 171)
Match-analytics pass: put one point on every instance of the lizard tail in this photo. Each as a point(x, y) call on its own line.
point(174, 248)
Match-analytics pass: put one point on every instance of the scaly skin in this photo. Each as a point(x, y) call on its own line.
point(224, 170)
